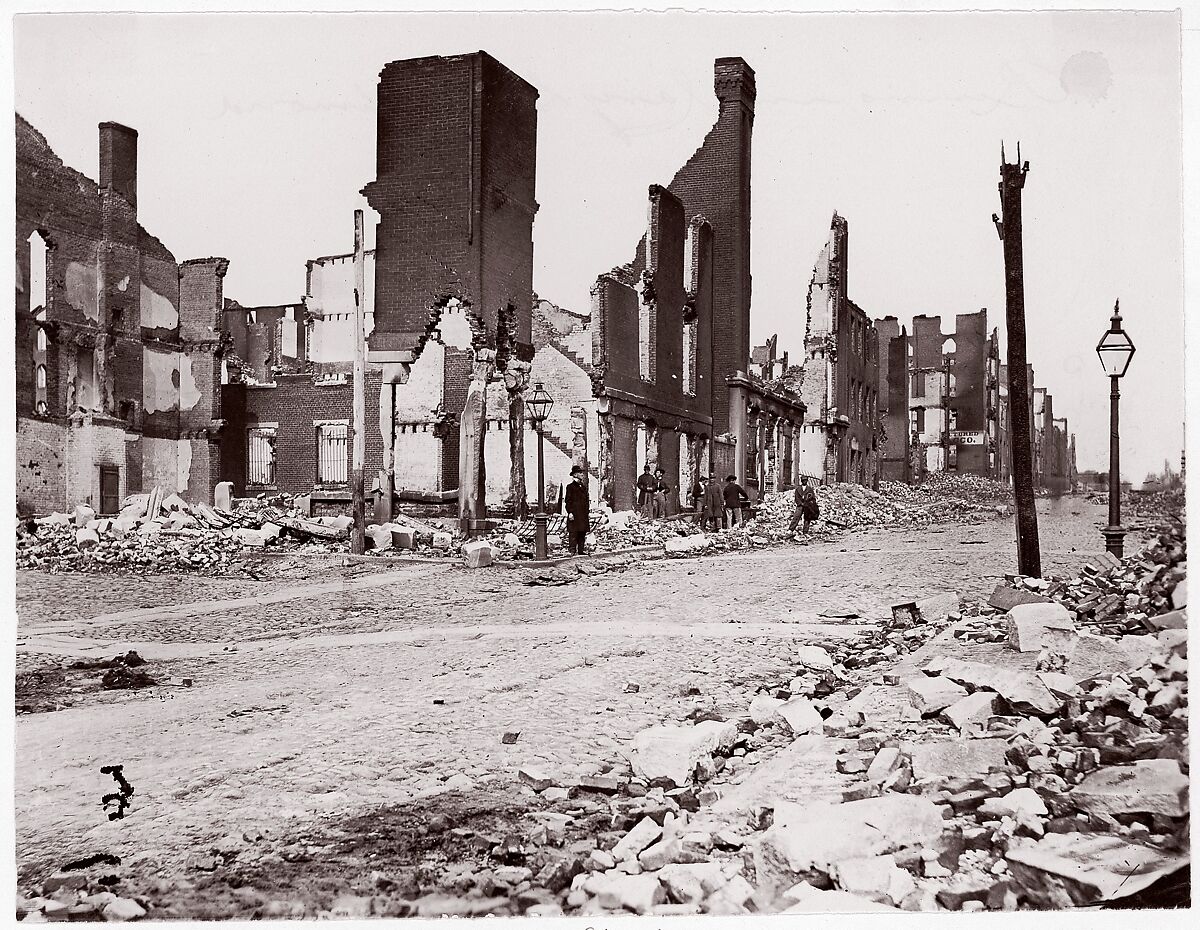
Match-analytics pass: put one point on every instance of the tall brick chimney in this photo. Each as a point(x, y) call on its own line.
point(733, 79)
point(118, 160)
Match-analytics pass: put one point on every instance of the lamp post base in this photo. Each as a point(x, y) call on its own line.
point(539, 539)
point(1114, 540)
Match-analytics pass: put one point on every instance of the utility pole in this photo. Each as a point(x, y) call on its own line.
point(358, 533)
point(1012, 182)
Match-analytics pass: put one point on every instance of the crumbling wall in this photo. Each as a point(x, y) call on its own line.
point(454, 189)
point(40, 465)
point(329, 300)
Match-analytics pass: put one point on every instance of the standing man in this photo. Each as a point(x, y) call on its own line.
point(713, 504)
point(660, 493)
point(697, 493)
point(645, 488)
point(577, 511)
point(735, 498)
point(807, 508)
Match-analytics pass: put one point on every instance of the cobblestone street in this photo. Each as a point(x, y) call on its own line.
point(335, 695)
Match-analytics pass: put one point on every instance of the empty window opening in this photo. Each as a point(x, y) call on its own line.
point(332, 452)
point(689, 358)
point(261, 457)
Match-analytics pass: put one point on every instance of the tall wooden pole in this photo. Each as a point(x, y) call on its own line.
point(1012, 182)
point(358, 541)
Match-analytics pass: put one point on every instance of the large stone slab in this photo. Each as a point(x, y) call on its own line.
point(1071, 869)
point(1033, 627)
point(812, 900)
point(808, 838)
point(876, 878)
point(1149, 786)
point(972, 711)
point(672, 751)
point(1024, 690)
point(955, 757)
point(931, 693)
point(801, 716)
point(803, 770)
point(1006, 598)
point(1094, 655)
point(814, 657)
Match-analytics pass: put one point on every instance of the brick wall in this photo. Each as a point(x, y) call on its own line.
point(110, 287)
point(295, 403)
point(456, 150)
point(715, 183)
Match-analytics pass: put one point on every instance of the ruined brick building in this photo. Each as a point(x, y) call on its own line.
point(658, 371)
point(952, 392)
point(840, 437)
point(118, 345)
point(447, 302)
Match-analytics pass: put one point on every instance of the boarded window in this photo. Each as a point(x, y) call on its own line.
point(331, 453)
point(918, 384)
point(920, 426)
point(260, 449)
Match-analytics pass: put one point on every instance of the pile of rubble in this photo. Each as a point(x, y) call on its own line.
point(852, 506)
point(167, 538)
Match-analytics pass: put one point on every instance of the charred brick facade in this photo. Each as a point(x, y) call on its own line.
point(117, 345)
point(839, 440)
point(454, 188)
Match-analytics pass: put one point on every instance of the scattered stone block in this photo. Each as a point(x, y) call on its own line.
point(1064, 870)
point(123, 909)
point(83, 514)
point(814, 657)
point(812, 900)
point(1179, 594)
point(1033, 627)
point(801, 716)
point(1169, 621)
point(645, 832)
point(808, 837)
point(1151, 786)
point(764, 709)
point(380, 537)
point(1023, 690)
point(1021, 804)
point(964, 890)
point(403, 537)
point(85, 537)
point(930, 694)
point(971, 712)
point(876, 878)
point(1006, 598)
point(673, 752)
point(690, 883)
point(442, 541)
point(478, 553)
point(886, 761)
point(535, 778)
point(637, 893)
point(957, 757)
point(223, 495)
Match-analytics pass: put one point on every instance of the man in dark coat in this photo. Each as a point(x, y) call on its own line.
point(577, 511)
point(735, 499)
point(646, 486)
point(712, 504)
point(807, 508)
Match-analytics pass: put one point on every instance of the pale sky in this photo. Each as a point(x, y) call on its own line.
point(256, 133)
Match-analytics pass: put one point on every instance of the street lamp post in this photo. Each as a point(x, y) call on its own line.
point(538, 406)
point(1115, 350)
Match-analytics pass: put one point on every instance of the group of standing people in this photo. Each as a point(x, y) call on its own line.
point(716, 505)
point(652, 493)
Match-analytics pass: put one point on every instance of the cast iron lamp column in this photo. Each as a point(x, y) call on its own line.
point(538, 405)
point(1115, 350)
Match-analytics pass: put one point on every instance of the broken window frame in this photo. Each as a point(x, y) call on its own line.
point(332, 440)
point(261, 456)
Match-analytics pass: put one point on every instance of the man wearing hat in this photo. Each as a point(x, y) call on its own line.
point(577, 510)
